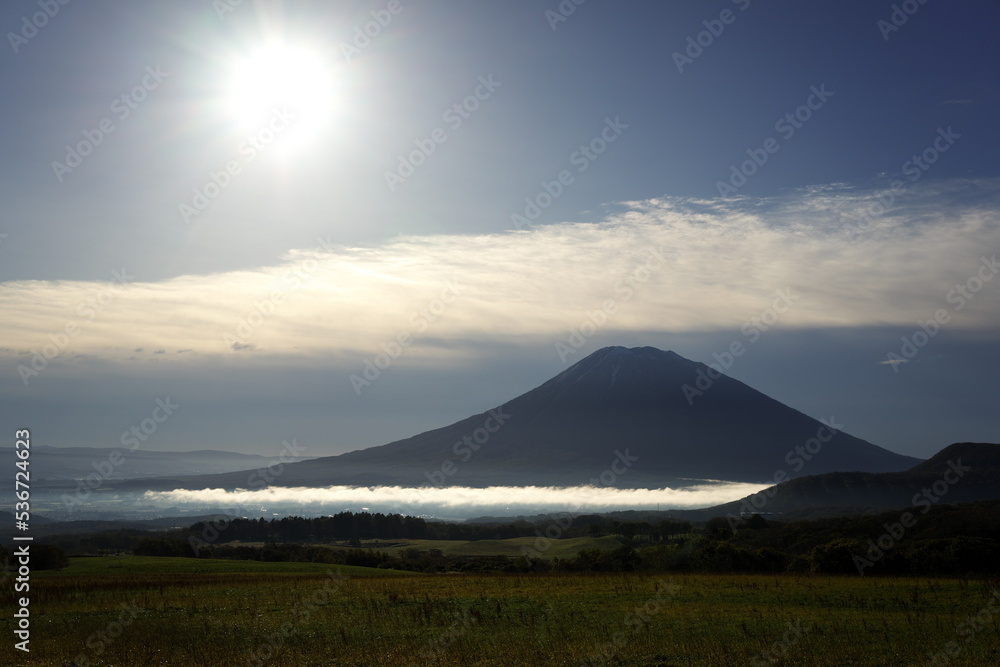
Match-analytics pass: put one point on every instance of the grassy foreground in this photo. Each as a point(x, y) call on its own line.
point(166, 611)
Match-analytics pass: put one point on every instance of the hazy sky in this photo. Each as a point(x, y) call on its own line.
point(239, 206)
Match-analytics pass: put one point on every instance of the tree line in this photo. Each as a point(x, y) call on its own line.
point(953, 540)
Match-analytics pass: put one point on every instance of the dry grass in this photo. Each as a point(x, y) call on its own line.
point(294, 616)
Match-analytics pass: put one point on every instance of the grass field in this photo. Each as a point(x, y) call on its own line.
point(165, 611)
point(564, 548)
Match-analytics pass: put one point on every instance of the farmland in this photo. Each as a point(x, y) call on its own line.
point(129, 610)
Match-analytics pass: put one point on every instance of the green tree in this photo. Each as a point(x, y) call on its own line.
point(718, 529)
point(837, 556)
point(48, 557)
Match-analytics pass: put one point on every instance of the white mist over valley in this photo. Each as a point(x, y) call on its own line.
point(457, 502)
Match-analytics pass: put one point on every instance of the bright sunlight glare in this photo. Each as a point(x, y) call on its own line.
point(280, 78)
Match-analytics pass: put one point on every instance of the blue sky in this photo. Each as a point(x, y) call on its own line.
point(263, 255)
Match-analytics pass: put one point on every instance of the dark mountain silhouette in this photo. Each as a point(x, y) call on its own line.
point(618, 404)
point(960, 473)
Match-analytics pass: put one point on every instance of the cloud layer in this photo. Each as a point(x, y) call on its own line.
point(459, 499)
point(665, 264)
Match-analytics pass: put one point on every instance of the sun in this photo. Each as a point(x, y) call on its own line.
point(280, 79)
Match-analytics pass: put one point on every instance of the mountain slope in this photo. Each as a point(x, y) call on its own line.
point(617, 404)
point(962, 472)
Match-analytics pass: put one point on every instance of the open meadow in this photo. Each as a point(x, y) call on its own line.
point(129, 610)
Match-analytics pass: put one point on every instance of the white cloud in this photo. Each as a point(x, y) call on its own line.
point(529, 498)
point(722, 262)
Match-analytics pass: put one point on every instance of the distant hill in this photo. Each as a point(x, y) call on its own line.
point(572, 428)
point(61, 464)
point(42, 527)
point(962, 472)
point(980, 455)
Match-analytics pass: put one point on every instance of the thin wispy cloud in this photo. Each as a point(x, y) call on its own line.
point(709, 265)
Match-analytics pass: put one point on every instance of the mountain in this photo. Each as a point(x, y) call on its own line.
point(631, 411)
point(60, 464)
point(960, 473)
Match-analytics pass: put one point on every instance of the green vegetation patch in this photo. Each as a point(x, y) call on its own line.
point(139, 565)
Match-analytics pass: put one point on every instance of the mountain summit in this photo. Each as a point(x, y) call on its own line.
point(681, 419)
point(655, 416)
